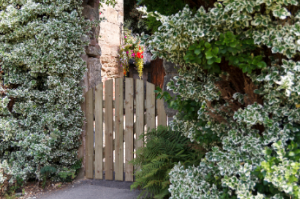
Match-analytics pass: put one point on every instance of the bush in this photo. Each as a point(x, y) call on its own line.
point(239, 63)
point(163, 149)
point(40, 113)
point(135, 22)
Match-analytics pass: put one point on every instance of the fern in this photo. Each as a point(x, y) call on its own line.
point(163, 149)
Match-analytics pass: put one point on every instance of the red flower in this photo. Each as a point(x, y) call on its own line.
point(138, 55)
point(142, 56)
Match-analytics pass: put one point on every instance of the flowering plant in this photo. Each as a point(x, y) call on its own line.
point(132, 50)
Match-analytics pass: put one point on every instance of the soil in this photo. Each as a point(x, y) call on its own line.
point(34, 189)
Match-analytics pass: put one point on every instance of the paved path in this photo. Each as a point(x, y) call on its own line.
point(94, 189)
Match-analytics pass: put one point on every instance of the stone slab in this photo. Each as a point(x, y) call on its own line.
point(110, 50)
point(90, 12)
point(94, 71)
point(110, 34)
point(111, 15)
point(93, 51)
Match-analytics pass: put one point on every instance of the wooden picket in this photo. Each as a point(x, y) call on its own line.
point(150, 106)
point(139, 111)
point(128, 133)
point(89, 134)
point(119, 126)
point(99, 131)
point(109, 130)
point(161, 114)
point(110, 144)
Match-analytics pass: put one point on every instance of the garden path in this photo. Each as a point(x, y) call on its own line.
point(94, 189)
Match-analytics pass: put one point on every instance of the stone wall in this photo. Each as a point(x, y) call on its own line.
point(110, 39)
point(92, 58)
point(93, 50)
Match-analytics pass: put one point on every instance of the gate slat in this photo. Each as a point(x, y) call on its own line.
point(99, 131)
point(150, 106)
point(139, 111)
point(161, 113)
point(128, 133)
point(119, 125)
point(108, 130)
point(89, 134)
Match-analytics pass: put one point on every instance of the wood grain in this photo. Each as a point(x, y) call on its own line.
point(108, 130)
point(89, 134)
point(128, 133)
point(119, 126)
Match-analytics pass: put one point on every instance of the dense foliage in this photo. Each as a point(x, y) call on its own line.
point(239, 67)
point(163, 149)
point(40, 115)
point(135, 22)
point(165, 7)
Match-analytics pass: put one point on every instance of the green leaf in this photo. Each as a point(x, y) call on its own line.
point(198, 60)
point(297, 151)
point(229, 35)
point(192, 47)
point(245, 69)
point(208, 54)
point(233, 44)
point(218, 60)
point(262, 64)
point(210, 61)
point(215, 50)
point(158, 89)
point(207, 45)
point(197, 51)
point(291, 154)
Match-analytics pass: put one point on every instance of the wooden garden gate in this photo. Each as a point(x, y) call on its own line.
point(112, 130)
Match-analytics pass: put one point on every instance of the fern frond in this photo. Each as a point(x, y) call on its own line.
point(152, 182)
point(165, 184)
point(162, 194)
point(163, 149)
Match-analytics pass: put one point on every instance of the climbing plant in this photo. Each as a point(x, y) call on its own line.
point(239, 67)
point(40, 114)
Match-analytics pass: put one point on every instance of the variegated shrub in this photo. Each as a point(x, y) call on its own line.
point(239, 62)
point(40, 96)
